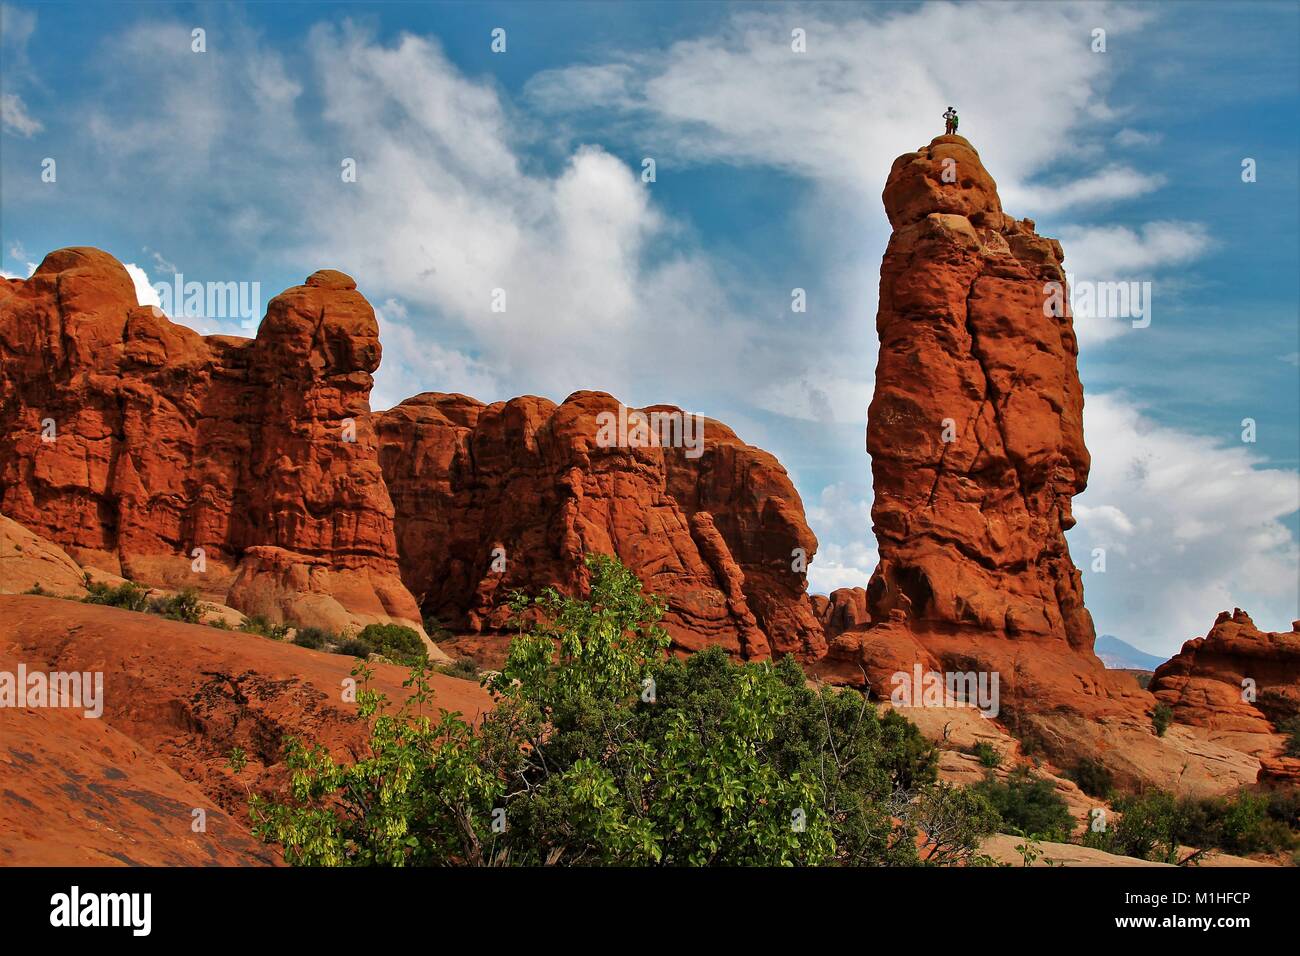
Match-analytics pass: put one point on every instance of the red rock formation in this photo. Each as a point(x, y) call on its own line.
point(714, 534)
point(132, 441)
point(976, 440)
point(1212, 681)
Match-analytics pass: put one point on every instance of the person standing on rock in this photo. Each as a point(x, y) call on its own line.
point(950, 122)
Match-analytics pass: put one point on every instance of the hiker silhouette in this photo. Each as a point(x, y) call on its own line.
point(950, 122)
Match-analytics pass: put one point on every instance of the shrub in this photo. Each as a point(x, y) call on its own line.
point(1161, 718)
point(257, 624)
point(128, 596)
point(1028, 805)
point(1093, 778)
point(989, 756)
point(185, 605)
point(394, 641)
point(600, 749)
point(354, 647)
point(1155, 823)
point(313, 637)
point(1290, 728)
point(463, 668)
point(36, 589)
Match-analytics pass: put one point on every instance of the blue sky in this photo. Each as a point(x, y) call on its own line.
point(521, 170)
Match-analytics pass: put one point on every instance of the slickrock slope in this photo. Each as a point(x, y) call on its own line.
point(1206, 682)
point(976, 440)
point(714, 534)
point(177, 698)
point(131, 441)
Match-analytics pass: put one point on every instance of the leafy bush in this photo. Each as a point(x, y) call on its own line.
point(36, 589)
point(1161, 718)
point(1290, 728)
point(601, 750)
point(185, 605)
point(257, 624)
point(1028, 805)
point(463, 668)
point(128, 596)
point(313, 637)
point(1155, 823)
point(989, 756)
point(394, 641)
point(354, 647)
point(1093, 778)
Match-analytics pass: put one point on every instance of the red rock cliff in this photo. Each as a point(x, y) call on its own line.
point(132, 441)
point(714, 534)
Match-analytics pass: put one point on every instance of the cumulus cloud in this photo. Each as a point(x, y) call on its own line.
point(1190, 526)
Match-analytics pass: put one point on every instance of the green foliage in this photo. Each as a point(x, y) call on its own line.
point(237, 760)
point(354, 647)
point(1161, 718)
point(601, 750)
point(989, 756)
point(313, 637)
point(1290, 728)
point(128, 596)
point(952, 821)
point(36, 589)
point(185, 605)
point(396, 642)
point(463, 668)
point(220, 623)
point(1154, 823)
point(1028, 805)
point(257, 624)
point(1093, 778)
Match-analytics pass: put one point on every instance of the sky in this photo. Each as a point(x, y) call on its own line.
point(523, 169)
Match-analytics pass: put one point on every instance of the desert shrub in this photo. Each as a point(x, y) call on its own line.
point(989, 756)
point(313, 637)
point(185, 605)
point(1028, 805)
point(220, 623)
point(36, 589)
point(1154, 823)
point(354, 647)
point(394, 641)
point(127, 595)
point(1290, 728)
point(463, 668)
point(1093, 778)
point(257, 624)
point(600, 749)
point(1161, 718)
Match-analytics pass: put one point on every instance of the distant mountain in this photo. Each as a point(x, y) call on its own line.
point(1120, 655)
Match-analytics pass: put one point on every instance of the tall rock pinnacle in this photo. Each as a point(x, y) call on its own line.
point(976, 427)
point(976, 440)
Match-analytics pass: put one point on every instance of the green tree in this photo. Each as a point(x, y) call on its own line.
point(601, 749)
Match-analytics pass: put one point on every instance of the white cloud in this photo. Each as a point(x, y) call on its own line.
point(1191, 526)
point(15, 118)
point(1102, 253)
point(413, 363)
point(846, 553)
point(145, 293)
